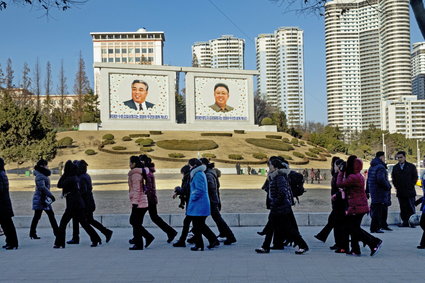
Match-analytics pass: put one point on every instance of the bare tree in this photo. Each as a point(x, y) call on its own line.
point(37, 83)
point(48, 104)
point(62, 90)
point(318, 7)
point(81, 87)
point(9, 74)
point(23, 98)
point(44, 5)
point(2, 78)
point(261, 109)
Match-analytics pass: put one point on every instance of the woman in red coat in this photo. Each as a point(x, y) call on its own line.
point(354, 185)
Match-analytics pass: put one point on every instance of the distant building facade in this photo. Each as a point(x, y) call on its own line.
point(418, 70)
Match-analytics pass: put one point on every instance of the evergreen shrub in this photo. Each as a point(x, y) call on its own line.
point(270, 144)
point(108, 137)
point(235, 156)
point(176, 155)
point(197, 145)
point(90, 152)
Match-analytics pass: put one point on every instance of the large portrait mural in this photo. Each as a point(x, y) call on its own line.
point(221, 99)
point(134, 96)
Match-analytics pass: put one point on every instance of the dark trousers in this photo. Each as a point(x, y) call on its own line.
point(422, 223)
point(407, 208)
point(91, 221)
point(222, 226)
point(324, 233)
point(199, 229)
point(153, 213)
point(36, 218)
point(283, 225)
point(9, 231)
point(186, 226)
point(136, 220)
point(340, 230)
point(378, 215)
point(358, 234)
point(80, 216)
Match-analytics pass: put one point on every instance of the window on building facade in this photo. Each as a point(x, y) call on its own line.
point(137, 50)
point(111, 60)
point(150, 50)
point(143, 50)
point(124, 60)
point(137, 59)
point(124, 50)
point(110, 51)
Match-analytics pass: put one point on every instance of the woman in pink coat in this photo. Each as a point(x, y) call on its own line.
point(352, 181)
point(139, 203)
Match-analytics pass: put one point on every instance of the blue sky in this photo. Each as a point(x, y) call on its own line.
point(26, 34)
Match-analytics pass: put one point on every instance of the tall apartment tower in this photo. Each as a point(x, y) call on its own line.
point(225, 52)
point(140, 47)
point(280, 61)
point(418, 70)
point(367, 60)
point(201, 55)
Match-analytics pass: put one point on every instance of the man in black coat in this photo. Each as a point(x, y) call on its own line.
point(6, 211)
point(404, 177)
point(139, 92)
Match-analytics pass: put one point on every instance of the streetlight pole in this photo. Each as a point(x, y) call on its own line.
point(384, 146)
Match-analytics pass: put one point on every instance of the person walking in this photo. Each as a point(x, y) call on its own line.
point(337, 215)
point(153, 199)
point(317, 176)
point(139, 202)
point(281, 217)
point(199, 206)
point(352, 181)
point(6, 211)
point(42, 199)
point(75, 207)
point(184, 193)
point(215, 203)
point(312, 175)
point(422, 208)
point(379, 189)
point(86, 189)
point(404, 177)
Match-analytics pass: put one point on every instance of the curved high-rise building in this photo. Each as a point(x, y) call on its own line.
point(367, 59)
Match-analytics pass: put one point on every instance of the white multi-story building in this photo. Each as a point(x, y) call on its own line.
point(280, 61)
point(418, 70)
point(140, 47)
point(225, 52)
point(201, 55)
point(367, 59)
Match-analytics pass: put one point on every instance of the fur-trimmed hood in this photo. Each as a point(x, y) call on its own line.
point(195, 170)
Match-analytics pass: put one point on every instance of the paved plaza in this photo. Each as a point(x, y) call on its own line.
point(37, 261)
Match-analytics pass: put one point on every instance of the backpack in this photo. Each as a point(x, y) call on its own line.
point(296, 182)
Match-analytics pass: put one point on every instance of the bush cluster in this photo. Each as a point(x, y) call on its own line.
point(197, 145)
point(108, 137)
point(274, 137)
point(239, 131)
point(126, 138)
point(302, 143)
point(298, 154)
point(146, 149)
point(266, 121)
point(310, 154)
point(217, 134)
point(139, 135)
point(208, 155)
point(286, 157)
point(64, 142)
point(294, 141)
point(314, 150)
point(144, 142)
point(90, 152)
point(259, 155)
point(270, 144)
point(176, 155)
point(118, 147)
point(285, 140)
point(155, 132)
point(235, 156)
point(105, 142)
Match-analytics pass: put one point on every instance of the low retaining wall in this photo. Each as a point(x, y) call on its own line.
point(232, 219)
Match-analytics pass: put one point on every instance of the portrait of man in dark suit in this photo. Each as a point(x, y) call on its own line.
point(221, 95)
point(139, 92)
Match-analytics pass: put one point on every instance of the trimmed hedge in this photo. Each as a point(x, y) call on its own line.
point(108, 137)
point(118, 147)
point(310, 154)
point(126, 138)
point(144, 142)
point(235, 156)
point(155, 132)
point(64, 142)
point(195, 145)
point(105, 142)
point(302, 143)
point(294, 141)
point(303, 162)
point(314, 150)
point(217, 134)
point(208, 155)
point(285, 140)
point(139, 135)
point(298, 154)
point(90, 152)
point(259, 155)
point(146, 149)
point(100, 148)
point(266, 121)
point(287, 157)
point(239, 131)
point(270, 144)
point(320, 158)
point(326, 154)
point(274, 137)
point(176, 155)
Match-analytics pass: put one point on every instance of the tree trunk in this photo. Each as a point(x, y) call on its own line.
point(419, 11)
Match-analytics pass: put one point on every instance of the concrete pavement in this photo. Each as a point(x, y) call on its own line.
point(37, 261)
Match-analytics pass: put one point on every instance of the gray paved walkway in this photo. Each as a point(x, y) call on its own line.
point(37, 261)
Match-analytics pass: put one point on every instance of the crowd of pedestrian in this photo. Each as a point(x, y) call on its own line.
point(199, 195)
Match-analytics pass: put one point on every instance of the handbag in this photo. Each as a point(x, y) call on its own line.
point(48, 201)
